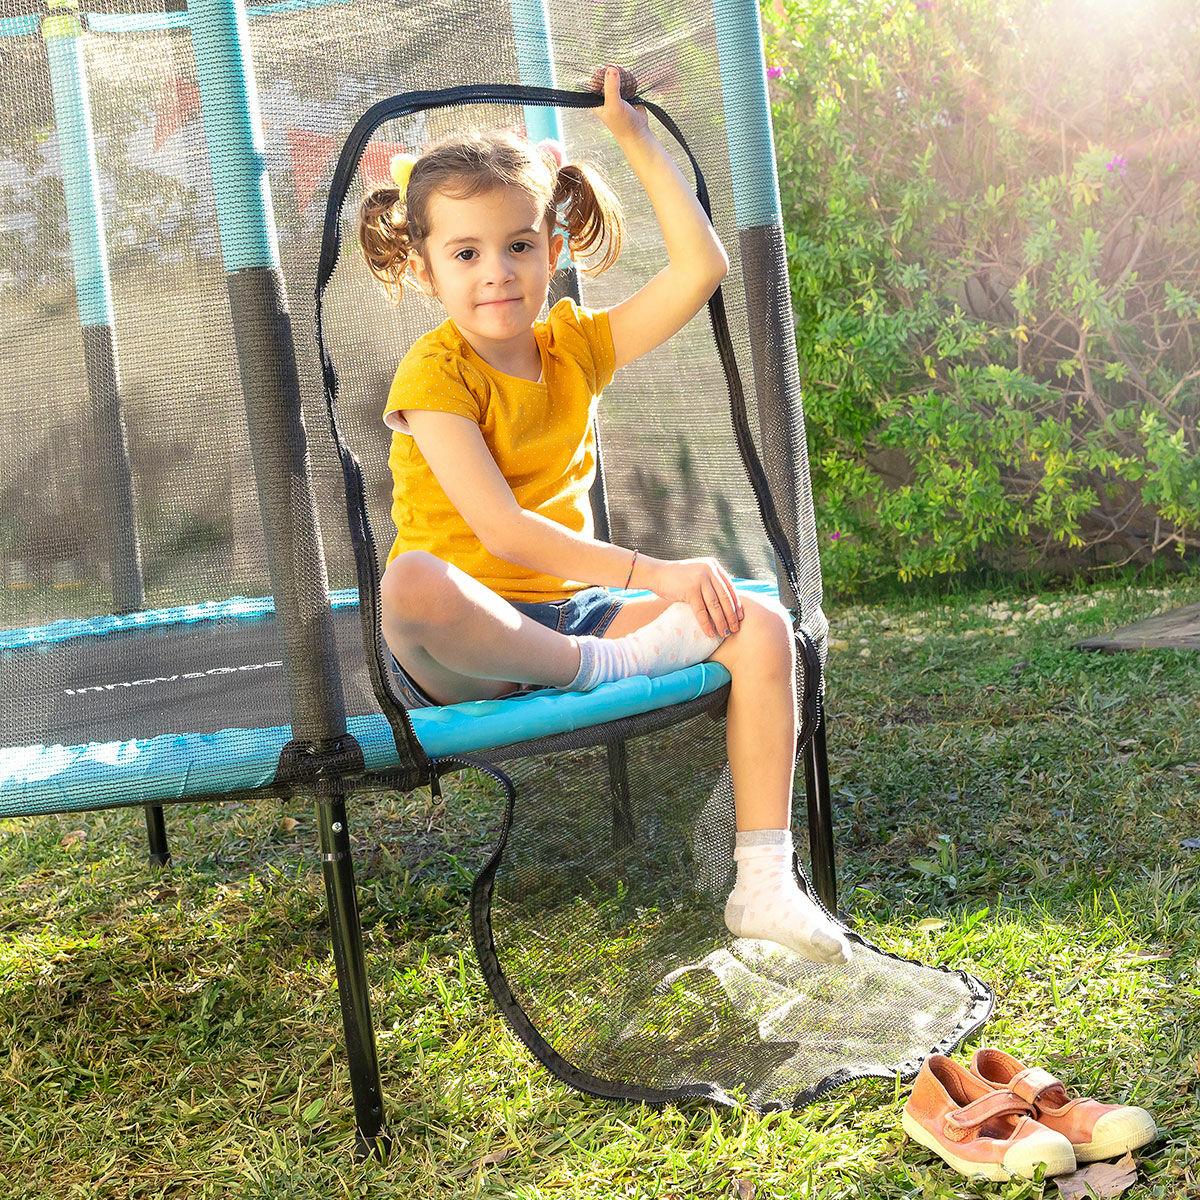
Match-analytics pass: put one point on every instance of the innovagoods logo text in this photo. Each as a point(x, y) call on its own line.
point(130, 683)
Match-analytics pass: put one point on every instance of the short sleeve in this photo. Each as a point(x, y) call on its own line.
point(436, 380)
point(585, 334)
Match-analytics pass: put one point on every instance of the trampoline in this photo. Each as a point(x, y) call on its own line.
point(142, 713)
point(194, 492)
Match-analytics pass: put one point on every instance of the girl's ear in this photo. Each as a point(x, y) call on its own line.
point(421, 273)
point(556, 245)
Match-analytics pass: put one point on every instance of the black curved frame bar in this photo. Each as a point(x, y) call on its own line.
point(812, 708)
point(346, 935)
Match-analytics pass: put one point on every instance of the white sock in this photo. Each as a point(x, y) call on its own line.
point(671, 641)
point(766, 902)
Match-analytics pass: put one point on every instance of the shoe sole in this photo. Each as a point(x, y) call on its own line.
point(994, 1172)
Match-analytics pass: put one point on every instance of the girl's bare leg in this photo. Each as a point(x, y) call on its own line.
point(461, 641)
point(760, 729)
point(760, 720)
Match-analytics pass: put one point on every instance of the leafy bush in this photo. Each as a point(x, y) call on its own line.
point(992, 212)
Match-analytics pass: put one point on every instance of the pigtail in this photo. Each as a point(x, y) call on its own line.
point(385, 237)
point(591, 215)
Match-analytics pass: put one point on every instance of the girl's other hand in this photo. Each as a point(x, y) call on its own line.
point(705, 585)
point(622, 118)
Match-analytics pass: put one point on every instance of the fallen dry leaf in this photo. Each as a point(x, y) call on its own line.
point(491, 1159)
point(1106, 1180)
point(497, 1156)
point(743, 1189)
point(288, 824)
point(76, 835)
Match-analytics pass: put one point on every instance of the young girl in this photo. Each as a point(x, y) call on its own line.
point(486, 591)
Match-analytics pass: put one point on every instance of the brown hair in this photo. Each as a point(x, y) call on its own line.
point(390, 229)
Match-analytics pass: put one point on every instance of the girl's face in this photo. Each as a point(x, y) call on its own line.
point(488, 260)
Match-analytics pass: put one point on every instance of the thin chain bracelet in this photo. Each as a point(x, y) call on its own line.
point(631, 565)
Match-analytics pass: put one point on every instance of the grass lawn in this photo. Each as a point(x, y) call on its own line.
point(1003, 803)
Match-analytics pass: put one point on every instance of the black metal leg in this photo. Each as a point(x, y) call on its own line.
point(346, 934)
point(618, 778)
point(820, 819)
point(156, 828)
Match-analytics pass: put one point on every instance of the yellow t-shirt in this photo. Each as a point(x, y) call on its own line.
point(540, 435)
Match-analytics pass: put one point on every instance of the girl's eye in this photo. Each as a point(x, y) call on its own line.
point(460, 254)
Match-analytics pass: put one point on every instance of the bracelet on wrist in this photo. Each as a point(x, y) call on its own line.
point(631, 565)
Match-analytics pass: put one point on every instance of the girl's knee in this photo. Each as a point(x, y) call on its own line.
point(412, 586)
point(767, 627)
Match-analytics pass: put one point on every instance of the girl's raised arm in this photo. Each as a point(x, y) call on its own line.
point(697, 260)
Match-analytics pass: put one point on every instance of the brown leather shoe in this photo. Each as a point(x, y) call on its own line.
point(1095, 1130)
point(977, 1128)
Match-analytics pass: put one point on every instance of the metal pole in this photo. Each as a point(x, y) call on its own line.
point(271, 388)
point(353, 990)
point(93, 300)
point(93, 296)
point(820, 819)
point(535, 65)
point(765, 278)
point(535, 60)
point(767, 294)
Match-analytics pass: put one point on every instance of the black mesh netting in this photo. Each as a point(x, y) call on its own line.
point(608, 951)
point(598, 921)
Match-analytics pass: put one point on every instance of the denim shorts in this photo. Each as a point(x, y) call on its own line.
point(590, 611)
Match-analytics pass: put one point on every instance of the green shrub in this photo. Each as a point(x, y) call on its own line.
point(992, 215)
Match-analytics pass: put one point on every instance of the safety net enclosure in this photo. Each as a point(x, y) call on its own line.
point(196, 504)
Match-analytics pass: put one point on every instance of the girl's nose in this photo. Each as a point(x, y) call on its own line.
point(503, 269)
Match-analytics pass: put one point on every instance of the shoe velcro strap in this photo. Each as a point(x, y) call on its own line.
point(1030, 1083)
point(964, 1122)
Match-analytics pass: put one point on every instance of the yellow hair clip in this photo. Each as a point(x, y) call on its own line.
point(401, 166)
